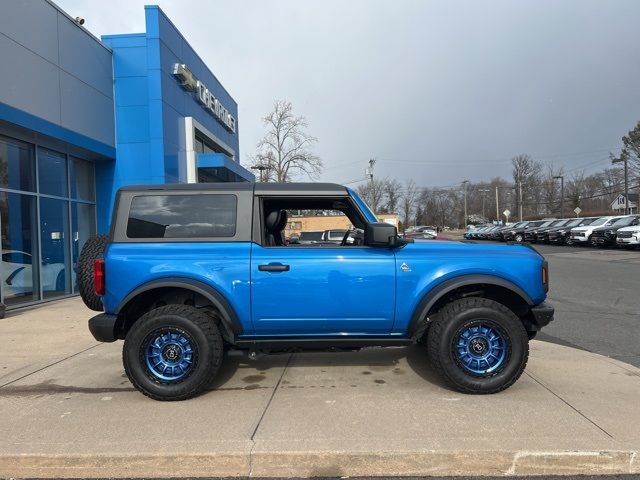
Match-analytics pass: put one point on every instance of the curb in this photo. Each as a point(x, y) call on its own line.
point(322, 464)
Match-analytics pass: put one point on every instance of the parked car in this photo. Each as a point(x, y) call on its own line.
point(531, 231)
point(334, 236)
point(561, 235)
point(306, 238)
point(628, 237)
point(422, 232)
point(497, 233)
point(17, 274)
point(486, 234)
point(606, 236)
point(541, 234)
point(582, 235)
point(517, 233)
point(473, 231)
point(229, 281)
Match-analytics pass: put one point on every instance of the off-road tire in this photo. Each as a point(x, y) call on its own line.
point(202, 331)
point(92, 250)
point(451, 319)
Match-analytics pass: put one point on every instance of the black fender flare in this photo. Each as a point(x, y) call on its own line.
point(417, 324)
point(229, 316)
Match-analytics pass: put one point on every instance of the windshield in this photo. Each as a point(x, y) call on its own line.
point(546, 224)
point(623, 222)
point(574, 223)
point(586, 221)
point(599, 221)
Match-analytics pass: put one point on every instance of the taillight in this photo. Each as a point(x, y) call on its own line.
point(545, 276)
point(98, 276)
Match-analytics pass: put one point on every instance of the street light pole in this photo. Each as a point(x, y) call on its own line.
point(520, 197)
point(561, 177)
point(497, 208)
point(484, 196)
point(464, 183)
point(623, 159)
point(261, 168)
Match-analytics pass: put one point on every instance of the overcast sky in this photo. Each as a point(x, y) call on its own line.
point(437, 91)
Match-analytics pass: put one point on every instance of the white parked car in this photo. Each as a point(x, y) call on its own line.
point(628, 236)
point(422, 231)
point(17, 276)
point(582, 235)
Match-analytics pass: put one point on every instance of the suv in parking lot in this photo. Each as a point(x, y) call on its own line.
point(606, 236)
point(188, 271)
point(582, 235)
point(561, 234)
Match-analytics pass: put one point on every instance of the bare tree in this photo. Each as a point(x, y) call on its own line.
point(408, 202)
point(528, 172)
point(392, 190)
point(285, 148)
point(373, 192)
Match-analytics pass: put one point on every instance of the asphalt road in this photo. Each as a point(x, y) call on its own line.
point(596, 293)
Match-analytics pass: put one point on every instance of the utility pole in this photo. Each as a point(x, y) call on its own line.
point(623, 159)
point(464, 184)
point(520, 197)
point(561, 177)
point(484, 196)
point(497, 208)
point(369, 171)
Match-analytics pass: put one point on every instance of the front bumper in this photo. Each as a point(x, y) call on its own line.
point(628, 241)
point(103, 327)
point(542, 315)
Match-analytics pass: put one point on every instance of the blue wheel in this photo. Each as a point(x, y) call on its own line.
point(481, 349)
point(477, 345)
point(169, 355)
point(173, 352)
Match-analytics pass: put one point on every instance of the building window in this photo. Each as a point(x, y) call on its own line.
point(19, 248)
point(54, 242)
point(205, 145)
point(52, 173)
point(43, 223)
point(182, 216)
point(17, 165)
point(82, 179)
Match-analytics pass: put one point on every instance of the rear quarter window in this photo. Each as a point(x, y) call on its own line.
point(182, 216)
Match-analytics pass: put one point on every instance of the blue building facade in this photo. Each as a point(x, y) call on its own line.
point(79, 118)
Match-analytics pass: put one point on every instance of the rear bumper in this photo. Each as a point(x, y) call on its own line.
point(542, 315)
point(103, 327)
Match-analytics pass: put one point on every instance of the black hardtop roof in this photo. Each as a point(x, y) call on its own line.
point(258, 188)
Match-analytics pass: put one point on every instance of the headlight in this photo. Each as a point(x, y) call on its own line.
point(562, 232)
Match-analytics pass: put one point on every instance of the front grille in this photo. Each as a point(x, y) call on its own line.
point(625, 234)
point(597, 234)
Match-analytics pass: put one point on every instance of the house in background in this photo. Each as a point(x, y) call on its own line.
point(619, 205)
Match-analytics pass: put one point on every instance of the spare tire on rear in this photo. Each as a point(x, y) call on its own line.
point(92, 250)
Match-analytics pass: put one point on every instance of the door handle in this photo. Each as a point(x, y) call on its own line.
point(273, 267)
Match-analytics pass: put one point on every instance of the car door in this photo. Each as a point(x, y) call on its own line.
point(322, 290)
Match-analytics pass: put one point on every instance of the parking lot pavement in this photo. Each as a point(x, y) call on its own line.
point(596, 293)
point(373, 412)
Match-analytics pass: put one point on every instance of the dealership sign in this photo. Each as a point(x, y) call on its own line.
point(190, 83)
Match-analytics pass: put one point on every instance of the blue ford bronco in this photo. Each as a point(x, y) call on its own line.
point(189, 271)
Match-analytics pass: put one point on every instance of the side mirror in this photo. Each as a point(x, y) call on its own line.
point(380, 234)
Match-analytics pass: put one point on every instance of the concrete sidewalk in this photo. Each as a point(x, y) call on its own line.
point(69, 411)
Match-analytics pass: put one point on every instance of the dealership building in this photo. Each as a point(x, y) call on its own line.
point(81, 117)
